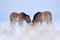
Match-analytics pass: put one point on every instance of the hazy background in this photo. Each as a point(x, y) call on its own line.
point(29, 7)
point(44, 32)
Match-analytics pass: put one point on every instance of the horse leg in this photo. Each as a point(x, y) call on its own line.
point(20, 23)
point(47, 22)
point(40, 22)
point(51, 22)
point(12, 24)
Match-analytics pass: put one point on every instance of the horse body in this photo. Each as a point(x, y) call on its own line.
point(45, 16)
point(14, 16)
point(19, 17)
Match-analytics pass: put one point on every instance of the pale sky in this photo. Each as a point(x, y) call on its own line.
point(30, 7)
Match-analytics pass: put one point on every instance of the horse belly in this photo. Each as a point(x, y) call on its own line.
point(45, 19)
point(15, 19)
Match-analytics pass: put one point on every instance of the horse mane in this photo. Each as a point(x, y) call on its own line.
point(35, 16)
point(24, 14)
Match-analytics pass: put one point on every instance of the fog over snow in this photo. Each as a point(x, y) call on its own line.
point(28, 32)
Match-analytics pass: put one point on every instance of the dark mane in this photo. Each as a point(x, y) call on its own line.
point(24, 14)
point(35, 16)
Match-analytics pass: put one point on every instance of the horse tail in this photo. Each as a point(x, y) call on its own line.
point(50, 15)
point(11, 16)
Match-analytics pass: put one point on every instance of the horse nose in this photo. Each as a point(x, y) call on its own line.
point(30, 23)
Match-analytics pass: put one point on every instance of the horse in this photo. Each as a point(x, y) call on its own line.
point(41, 17)
point(19, 17)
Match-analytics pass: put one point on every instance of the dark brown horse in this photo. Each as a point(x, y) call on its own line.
point(45, 16)
point(19, 17)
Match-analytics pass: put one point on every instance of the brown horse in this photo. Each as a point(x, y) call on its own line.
point(45, 16)
point(19, 17)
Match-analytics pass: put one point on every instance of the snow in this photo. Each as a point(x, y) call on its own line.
point(37, 32)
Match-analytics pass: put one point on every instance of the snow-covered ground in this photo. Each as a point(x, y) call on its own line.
point(43, 32)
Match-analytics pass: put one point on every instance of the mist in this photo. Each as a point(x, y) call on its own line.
point(29, 32)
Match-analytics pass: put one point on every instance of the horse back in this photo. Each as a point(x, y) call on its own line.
point(46, 16)
point(13, 15)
